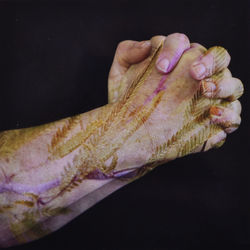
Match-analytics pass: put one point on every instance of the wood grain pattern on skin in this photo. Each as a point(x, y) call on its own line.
point(45, 169)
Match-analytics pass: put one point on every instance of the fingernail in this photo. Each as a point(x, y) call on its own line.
point(199, 70)
point(216, 111)
point(163, 64)
point(208, 88)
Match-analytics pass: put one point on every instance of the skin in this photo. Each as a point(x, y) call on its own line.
point(158, 110)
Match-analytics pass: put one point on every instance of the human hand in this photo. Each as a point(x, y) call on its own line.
point(198, 105)
point(131, 52)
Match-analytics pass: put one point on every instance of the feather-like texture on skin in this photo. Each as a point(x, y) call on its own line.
point(157, 119)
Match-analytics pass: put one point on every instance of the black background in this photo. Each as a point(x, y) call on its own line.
point(55, 58)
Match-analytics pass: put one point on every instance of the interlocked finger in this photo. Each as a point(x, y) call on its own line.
point(227, 118)
point(222, 85)
point(213, 61)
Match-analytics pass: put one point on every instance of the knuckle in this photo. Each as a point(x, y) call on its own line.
point(226, 73)
point(180, 36)
point(124, 44)
point(232, 126)
point(157, 40)
point(221, 52)
point(239, 88)
point(158, 37)
point(232, 122)
point(227, 55)
point(240, 84)
point(121, 54)
point(218, 49)
point(198, 46)
point(236, 106)
point(195, 45)
point(221, 57)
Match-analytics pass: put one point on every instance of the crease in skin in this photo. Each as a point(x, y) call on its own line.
point(22, 188)
point(98, 175)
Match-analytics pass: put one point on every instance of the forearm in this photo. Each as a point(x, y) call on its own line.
point(51, 173)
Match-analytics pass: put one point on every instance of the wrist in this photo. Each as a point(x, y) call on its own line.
point(113, 141)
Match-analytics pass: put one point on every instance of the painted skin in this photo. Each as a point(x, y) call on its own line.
point(51, 173)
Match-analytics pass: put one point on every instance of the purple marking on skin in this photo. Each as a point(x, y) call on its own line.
point(22, 188)
point(159, 88)
point(126, 173)
point(175, 59)
point(97, 174)
point(171, 65)
point(7, 177)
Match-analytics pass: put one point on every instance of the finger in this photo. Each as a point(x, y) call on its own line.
point(222, 85)
point(227, 118)
point(215, 141)
point(128, 53)
point(209, 86)
point(198, 46)
point(173, 48)
point(213, 61)
point(235, 106)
